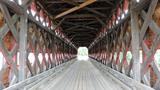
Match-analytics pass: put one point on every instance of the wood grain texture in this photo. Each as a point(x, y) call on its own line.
point(82, 75)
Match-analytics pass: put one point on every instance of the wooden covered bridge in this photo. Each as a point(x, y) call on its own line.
point(39, 40)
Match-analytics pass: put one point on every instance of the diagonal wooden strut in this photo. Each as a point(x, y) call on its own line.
point(88, 2)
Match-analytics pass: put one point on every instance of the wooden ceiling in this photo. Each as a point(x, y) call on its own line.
point(81, 20)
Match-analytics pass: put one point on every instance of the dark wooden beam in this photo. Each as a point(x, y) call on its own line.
point(77, 26)
point(80, 16)
point(95, 12)
point(88, 9)
point(79, 30)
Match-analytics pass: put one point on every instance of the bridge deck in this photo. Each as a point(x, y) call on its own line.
point(82, 75)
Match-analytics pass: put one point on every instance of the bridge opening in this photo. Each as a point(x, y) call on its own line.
point(82, 53)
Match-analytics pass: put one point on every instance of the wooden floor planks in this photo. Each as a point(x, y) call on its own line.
point(82, 75)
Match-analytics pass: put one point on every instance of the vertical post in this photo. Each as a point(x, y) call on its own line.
point(23, 47)
point(135, 45)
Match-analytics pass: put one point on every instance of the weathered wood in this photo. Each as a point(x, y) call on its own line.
point(23, 48)
point(22, 84)
point(135, 46)
point(81, 75)
point(148, 19)
point(133, 84)
point(9, 21)
point(88, 2)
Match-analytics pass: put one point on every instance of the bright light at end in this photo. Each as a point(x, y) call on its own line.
point(137, 1)
point(82, 53)
point(11, 0)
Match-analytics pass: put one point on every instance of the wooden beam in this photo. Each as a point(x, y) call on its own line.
point(93, 33)
point(96, 12)
point(59, 23)
point(135, 46)
point(88, 9)
point(100, 21)
point(23, 47)
point(75, 8)
point(80, 16)
point(95, 8)
point(148, 19)
point(79, 30)
point(76, 26)
point(71, 28)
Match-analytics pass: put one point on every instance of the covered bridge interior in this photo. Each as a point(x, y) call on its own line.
point(39, 40)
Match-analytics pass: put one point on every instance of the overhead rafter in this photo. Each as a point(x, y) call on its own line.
point(80, 16)
point(82, 39)
point(95, 8)
point(76, 26)
point(77, 1)
point(96, 12)
point(88, 22)
point(88, 2)
point(89, 19)
point(79, 30)
point(75, 32)
point(84, 33)
point(88, 9)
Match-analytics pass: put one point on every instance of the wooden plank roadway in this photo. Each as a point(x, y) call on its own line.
point(81, 75)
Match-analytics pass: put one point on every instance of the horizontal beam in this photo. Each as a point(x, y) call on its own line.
point(77, 26)
point(80, 16)
point(88, 36)
point(80, 30)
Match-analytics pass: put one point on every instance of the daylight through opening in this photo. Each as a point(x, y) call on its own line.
point(82, 53)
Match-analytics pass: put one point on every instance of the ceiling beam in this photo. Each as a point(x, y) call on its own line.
point(82, 39)
point(100, 21)
point(84, 33)
point(93, 33)
point(80, 26)
point(96, 12)
point(78, 30)
point(80, 42)
point(107, 1)
point(80, 16)
point(88, 9)
point(81, 19)
point(88, 2)
point(64, 9)
point(86, 36)
point(59, 23)
point(71, 28)
point(77, 1)
point(77, 26)
point(87, 23)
